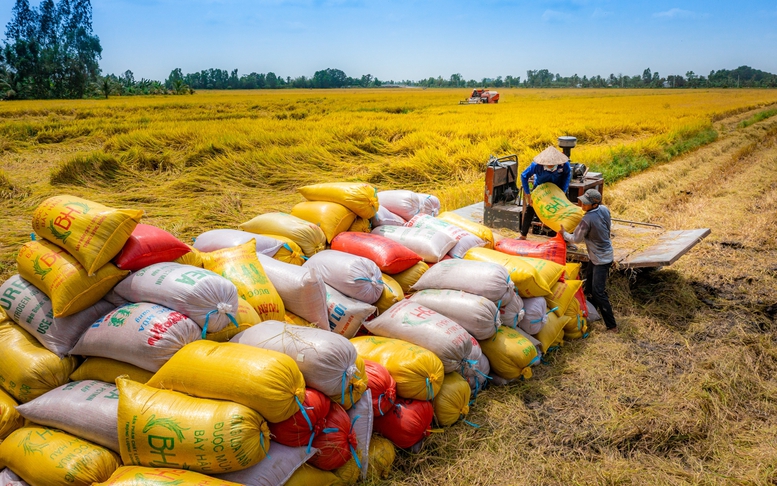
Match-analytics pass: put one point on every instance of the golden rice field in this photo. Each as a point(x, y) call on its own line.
point(684, 394)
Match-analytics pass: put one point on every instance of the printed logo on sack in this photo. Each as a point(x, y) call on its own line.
point(154, 479)
point(29, 447)
point(47, 260)
point(65, 220)
point(163, 445)
point(120, 315)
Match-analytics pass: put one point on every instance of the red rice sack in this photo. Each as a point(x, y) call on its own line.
point(355, 276)
point(407, 424)
point(384, 217)
point(148, 245)
point(336, 442)
point(390, 256)
point(382, 386)
point(553, 249)
point(301, 428)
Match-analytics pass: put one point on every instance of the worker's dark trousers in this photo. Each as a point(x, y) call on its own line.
point(528, 216)
point(596, 287)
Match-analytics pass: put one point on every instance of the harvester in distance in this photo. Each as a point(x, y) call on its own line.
point(481, 96)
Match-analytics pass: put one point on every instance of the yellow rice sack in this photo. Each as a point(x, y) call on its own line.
point(193, 258)
point(552, 333)
point(452, 403)
point(349, 473)
point(160, 476)
point(554, 209)
point(246, 317)
point(572, 271)
point(392, 293)
point(563, 295)
point(482, 232)
point(310, 238)
point(359, 197)
point(266, 381)
point(107, 370)
point(355, 388)
point(161, 428)
point(409, 277)
point(55, 272)
point(510, 353)
point(89, 231)
point(331, 217)
point(307, 475)
point(240, 265)
point(290, 252)
point(10, 419)
point(382, 454)
point(417, 371)
point(532, 276)
point(27, 369)
point(293, 318)
point(50, 457)
point(361, 225)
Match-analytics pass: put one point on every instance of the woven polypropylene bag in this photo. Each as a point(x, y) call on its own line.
point(148, 245)
point(486, 279)
point(417, 371)
point(89, 231)
point(327, 360)
point(31, 309)
point(360, 225)
point(332, 218)
point(76, 462)
point(219, 239)
point(553, 249)
point(304, 233)
point(452, 403)
point(535, 315)
point(429, 244)
point(10, 419)
point(303, 291)
point(86, 409)
point(301, 428)
point(482, 232)
point(354, 276)
point(464, 239)
point(401, 202)
point(336, 442)
point(9, 478)
point(361, 424)
point(171, 429)
point(509, 353)
point(143, 334)
point(107, 370)
point(511, 309)
point(414, 323)
point(359, 197)
point(554, 209)
point(246, 318)
point(383, 388)
point(384, 217)
point(273, 470)
point(205, 297)
point(159, 476)
point(409, 277)
point(346, 315)
point(382, 455)
point(266, 381)
point(307, 475)
point(478, 373)
point(392, 293)
point(27, 369)
point(477, 315)
point(552, 333)
point(64, 280)
point(391, 257)
point(407, 424)
point(532, 277)
point(564, 294)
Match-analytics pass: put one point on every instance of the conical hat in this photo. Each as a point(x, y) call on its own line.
point(550, 156)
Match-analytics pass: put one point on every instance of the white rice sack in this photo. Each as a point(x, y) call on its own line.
point(429, 204)
point(489, 280)
point(143, 334)
point(511, 311)
point(464, 239)
point(205, 297)
point(497, 380)
point(403, 203)
point(477, 374)
point(535, 314)
point(219, 239)
point(429, 244)
point(478, 315)
point(9, 478)
point(536, 342)
point(355, 276)
point(346, 315)
point(361, 415)
point(302, 290)
point(384, 217)
point(31, 309)
point(87, 409)
point(593, 314)
point(419, 325)
point(326, 360)
point(276, 468)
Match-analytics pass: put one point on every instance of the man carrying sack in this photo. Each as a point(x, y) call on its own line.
point(550, 165)
point(595, 228)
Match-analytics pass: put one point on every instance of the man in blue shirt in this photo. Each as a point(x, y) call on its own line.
point(550, 165)
point(595, 229)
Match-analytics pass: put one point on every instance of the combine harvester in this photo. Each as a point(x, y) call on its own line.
point(637, 245)
point(479, 96)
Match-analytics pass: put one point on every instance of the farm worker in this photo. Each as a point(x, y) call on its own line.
point(550, 165)
point(594, 228)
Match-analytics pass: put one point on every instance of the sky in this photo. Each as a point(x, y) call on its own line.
point(418, 39)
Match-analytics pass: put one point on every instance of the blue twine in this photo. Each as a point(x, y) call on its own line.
point(552, 310)
point(353, 452)
point(342, 389)
point(261, 444)
point(330, 430)
point(471, 424)
point(207, 319)
point(380, 409)
point(32, 237)
point(429, 390)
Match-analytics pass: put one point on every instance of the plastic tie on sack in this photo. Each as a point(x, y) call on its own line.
point(429, 390)
point(551, 310)
point(32, 237)
point(261, 444)
point(221, 308)
point(471, 424)
point(350, 446)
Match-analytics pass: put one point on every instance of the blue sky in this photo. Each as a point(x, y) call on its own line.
point(415, 39)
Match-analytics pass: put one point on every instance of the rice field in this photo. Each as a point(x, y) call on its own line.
point(683, 395)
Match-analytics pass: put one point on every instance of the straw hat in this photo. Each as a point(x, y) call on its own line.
point(550, 156)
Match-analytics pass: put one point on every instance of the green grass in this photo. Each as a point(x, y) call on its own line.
point(760, 116)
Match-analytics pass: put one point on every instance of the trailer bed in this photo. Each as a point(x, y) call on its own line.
point(635, 245)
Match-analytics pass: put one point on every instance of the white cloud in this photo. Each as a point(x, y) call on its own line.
point(676, 13)
point(555, 16)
